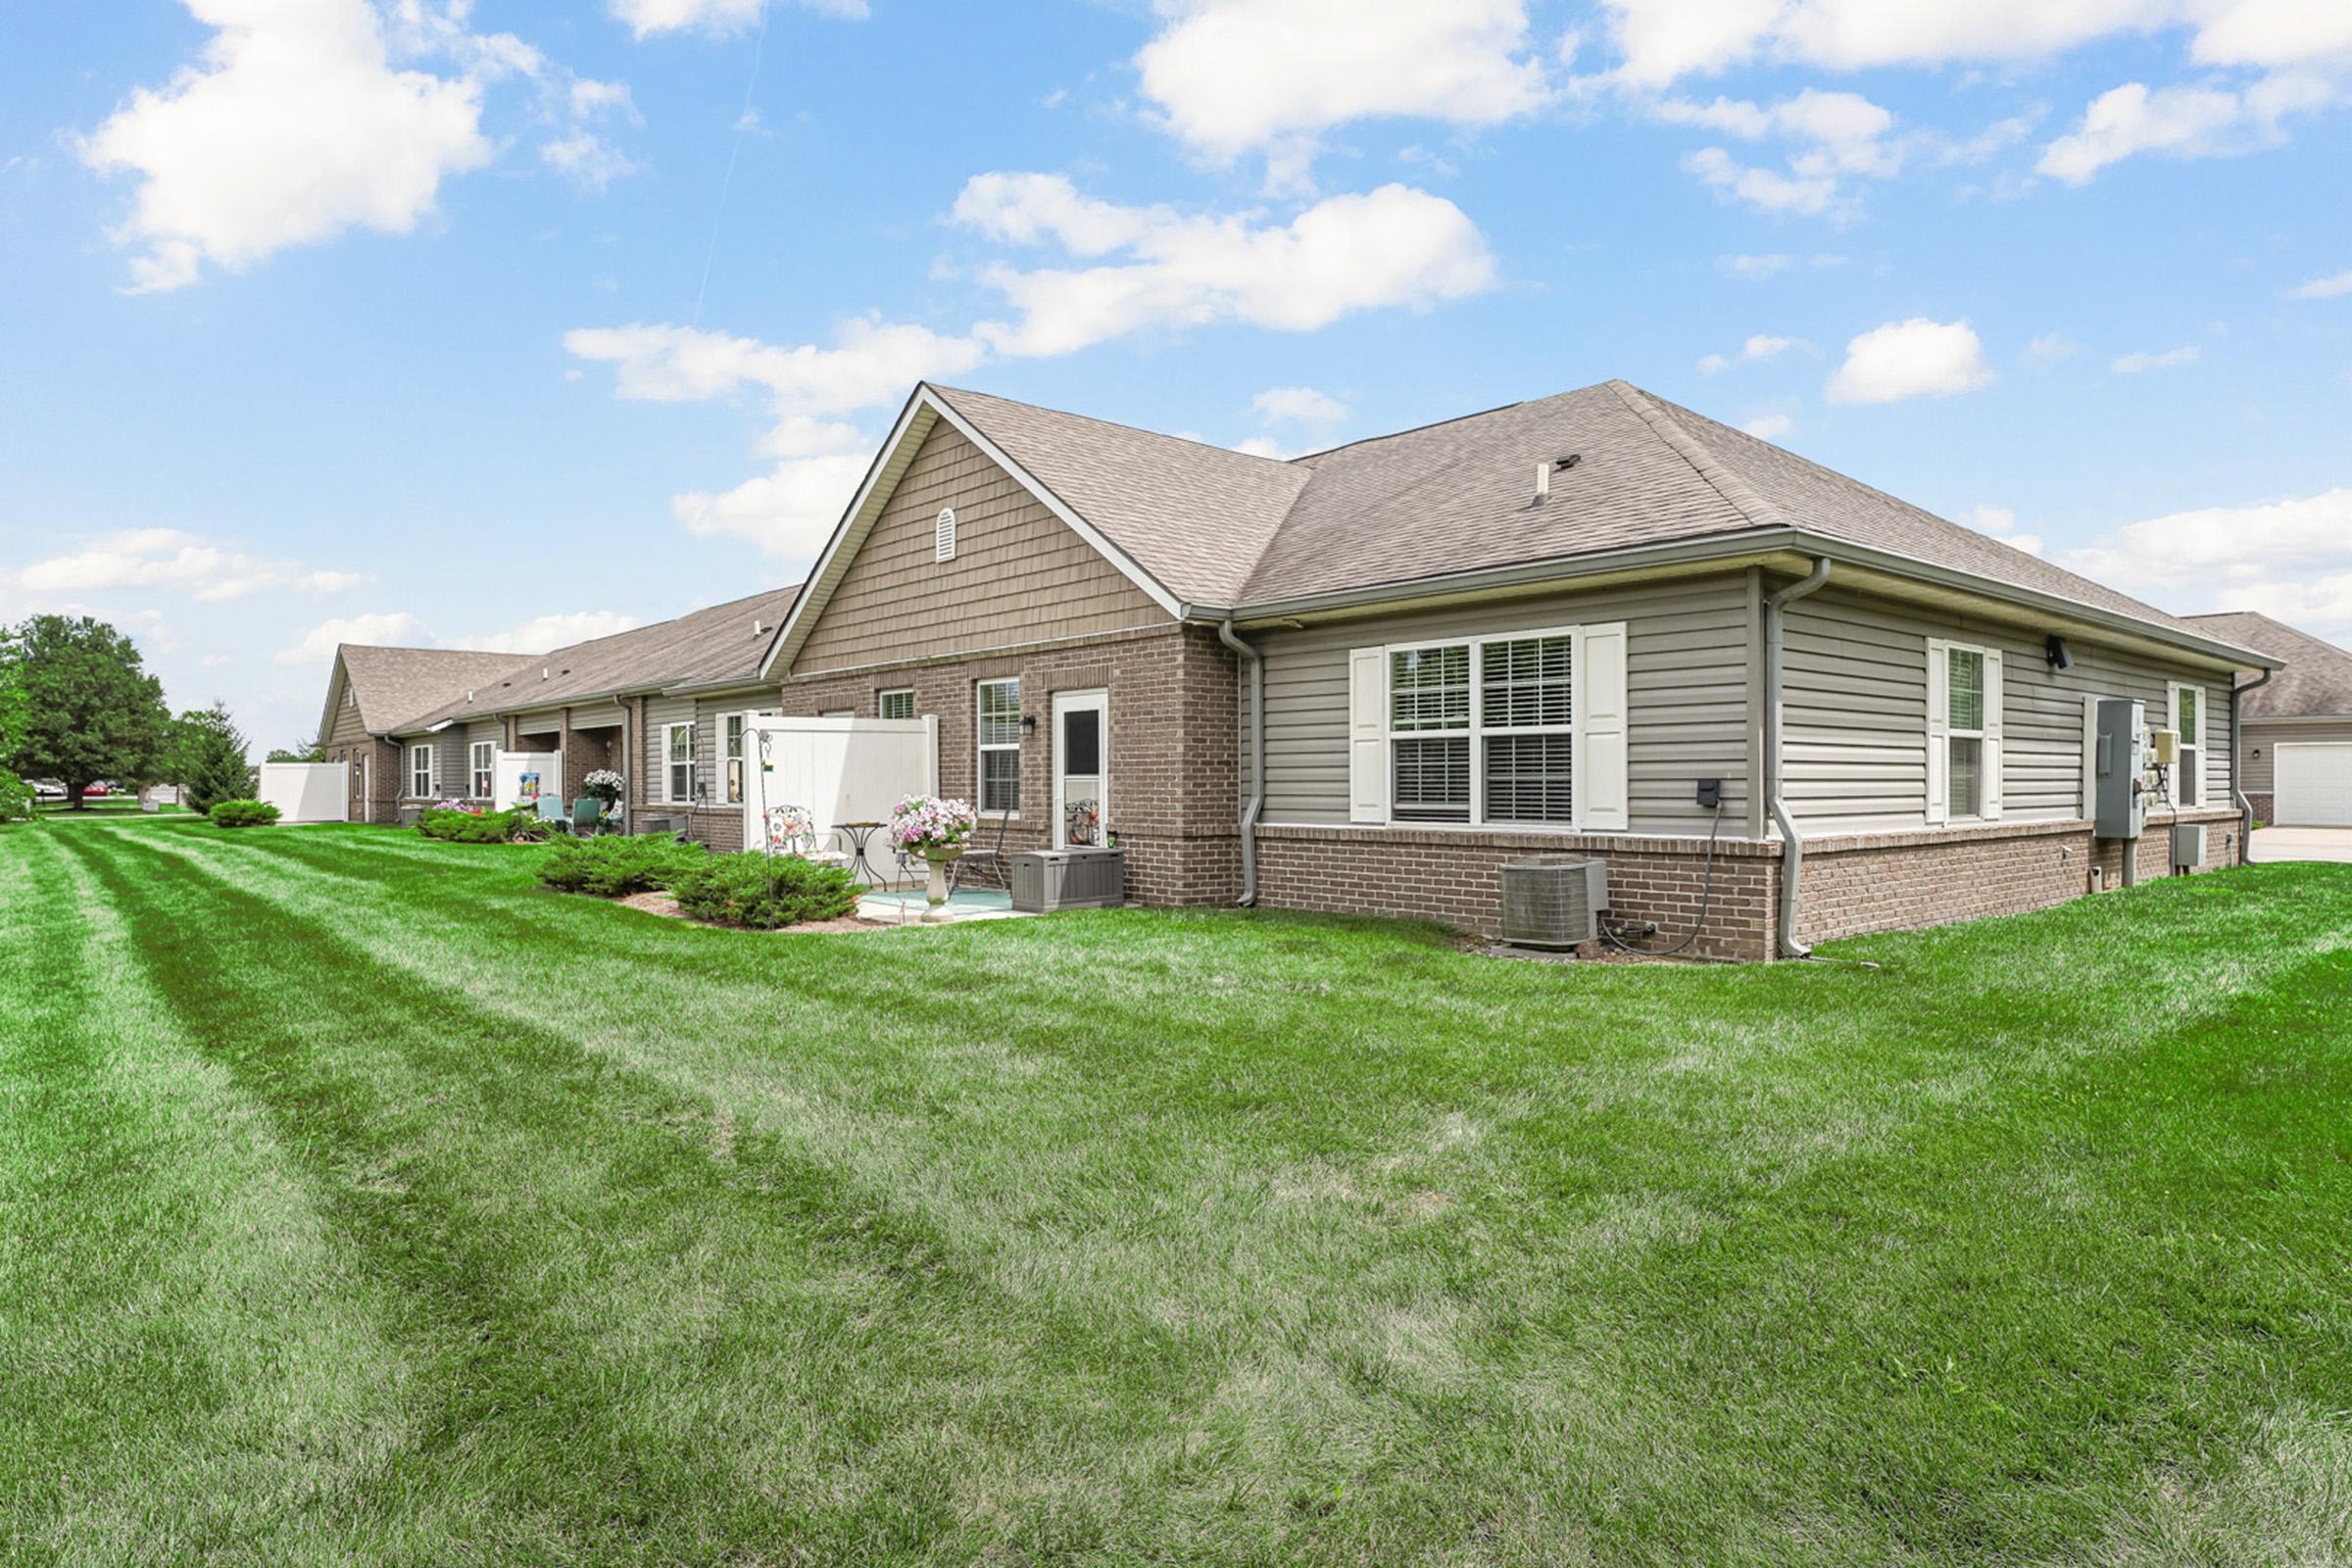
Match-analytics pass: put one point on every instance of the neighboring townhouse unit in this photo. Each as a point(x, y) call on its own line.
point(376, 699)
point(2298, 744)
point(1364, 679)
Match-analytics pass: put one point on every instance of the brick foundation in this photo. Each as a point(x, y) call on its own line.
point(2262, 804)
point(1852, 885)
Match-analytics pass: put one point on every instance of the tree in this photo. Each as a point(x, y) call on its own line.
point(92, 711)
point(210, 759)
point(16, 795)
point(313, 753)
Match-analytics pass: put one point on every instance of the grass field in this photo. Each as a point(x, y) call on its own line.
point(362, 1203)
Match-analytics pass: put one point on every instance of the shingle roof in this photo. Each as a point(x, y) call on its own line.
point(1224, 529)
point(705, 647)
point(2317, 679)
point(1193, 516)
point(395, 686)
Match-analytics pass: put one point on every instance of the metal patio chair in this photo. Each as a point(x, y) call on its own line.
point(985, 863)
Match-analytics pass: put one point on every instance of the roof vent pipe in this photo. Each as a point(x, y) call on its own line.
point(1793, 847)
point(1542, 483)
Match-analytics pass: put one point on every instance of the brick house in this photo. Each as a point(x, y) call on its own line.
point(2298, 723)
point(1365, 680)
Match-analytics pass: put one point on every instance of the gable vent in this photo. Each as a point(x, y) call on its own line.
point(942, 538)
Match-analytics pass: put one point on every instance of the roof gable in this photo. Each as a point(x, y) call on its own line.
point(397, 686)
point(2315, 680)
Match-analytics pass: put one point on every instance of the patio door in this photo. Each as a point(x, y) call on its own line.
point(1081, 767)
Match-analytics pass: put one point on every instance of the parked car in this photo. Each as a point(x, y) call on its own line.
point(48, 789)
point(94, 792)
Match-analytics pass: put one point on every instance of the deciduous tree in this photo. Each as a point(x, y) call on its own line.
point(92, 711)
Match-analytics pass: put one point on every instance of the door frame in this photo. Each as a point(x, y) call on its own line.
point(359, 767)
point(1098, 699)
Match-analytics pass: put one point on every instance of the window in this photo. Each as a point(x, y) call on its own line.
point(2186, 716)
point(896, 704)
point(730, 754)
point(1000, 746)
point(1964, 739)
point(677, 746)
point(1964, 733)
point(943, 537)
point(1514, 718)
point(483, 765)
point(421, 769)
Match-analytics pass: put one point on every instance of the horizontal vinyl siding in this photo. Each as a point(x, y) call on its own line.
point(1856, 711)
point(1019, 573)
point(2266, 738)
point(1686, 695)
point(660, 714)
point(493, 730)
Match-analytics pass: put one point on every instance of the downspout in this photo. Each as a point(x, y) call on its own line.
point(1257, 757)
point(1793, 847)
point(2238, 766)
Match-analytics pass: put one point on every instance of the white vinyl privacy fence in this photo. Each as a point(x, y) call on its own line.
point(307, 792)
point(836, 770)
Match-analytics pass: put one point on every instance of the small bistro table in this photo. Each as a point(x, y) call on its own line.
point(859, 834)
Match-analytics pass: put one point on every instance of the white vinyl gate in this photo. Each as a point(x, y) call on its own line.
point(307, 792)
point(2313, 784)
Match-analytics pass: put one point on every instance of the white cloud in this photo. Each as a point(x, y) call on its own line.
point(543, 632)
point(383, 629)
point(294, 128)
point(1757, 350)
point(2323, 288)
point(1394, 246)
point(2136, 363)
point(646, 18)
point(168, 560)
point(1296, 405)
point(2291, 558)
point(2000, 523)
point(1836, 136)
point(871, 362)
point(1913, 359)
point(1770, 426)
point(2051, 348)
point(1230, 76)
point(2180, 122)
point(1753, 266)
point(1660, 42)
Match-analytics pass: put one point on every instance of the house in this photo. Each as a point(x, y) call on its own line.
point(1362, 680)
point(2298, 723)
point(375, 698)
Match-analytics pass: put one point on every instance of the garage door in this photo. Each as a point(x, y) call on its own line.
point(2314, 784)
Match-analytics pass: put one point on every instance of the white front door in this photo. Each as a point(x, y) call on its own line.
point(1081, 765)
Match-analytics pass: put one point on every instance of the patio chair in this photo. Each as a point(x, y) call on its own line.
point(984, 862)
point(551, 811)
point(586, 813)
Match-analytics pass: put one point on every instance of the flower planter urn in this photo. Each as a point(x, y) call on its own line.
point(935, 893)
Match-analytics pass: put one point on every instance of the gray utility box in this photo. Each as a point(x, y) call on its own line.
point(2119, 758)
point(1085, 878)
point(2189, 845)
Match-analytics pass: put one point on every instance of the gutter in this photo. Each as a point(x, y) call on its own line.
point(2238, 764)
point(1257, 757)
point(1793, 846)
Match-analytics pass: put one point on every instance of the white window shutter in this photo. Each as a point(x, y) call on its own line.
point(2090, 749)
point(1992, 736)
point(1597, 698)
point(1940, 729)
point(1368, 735)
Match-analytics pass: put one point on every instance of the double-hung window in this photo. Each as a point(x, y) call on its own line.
point(1964, 733)
point(482, 763)
point(677, 748)
point(421, 769)
point(1483, 731)
point(2188, 713)
point(898, 704)
point(732, 728)
point(999, 733)
point(1964, 739)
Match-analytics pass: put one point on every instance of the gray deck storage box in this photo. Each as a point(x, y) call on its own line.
point(1068, 879)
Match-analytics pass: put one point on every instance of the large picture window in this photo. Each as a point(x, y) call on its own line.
point(677, 749)
point(1483, 731)
point(421, 769)
point(999, 732)
point(482, 763)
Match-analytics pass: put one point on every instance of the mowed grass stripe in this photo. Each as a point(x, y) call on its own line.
point(569, 1214)
point(192, 1373)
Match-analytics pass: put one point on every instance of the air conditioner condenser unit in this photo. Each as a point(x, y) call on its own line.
point(1554, 900)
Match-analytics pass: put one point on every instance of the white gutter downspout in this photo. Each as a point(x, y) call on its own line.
point(2238, 766)
point(1257, 757)
point(1793, 847)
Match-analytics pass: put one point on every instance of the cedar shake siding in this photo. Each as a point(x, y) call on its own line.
point(1019, 575)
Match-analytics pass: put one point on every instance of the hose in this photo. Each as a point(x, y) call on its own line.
point(1706, 897)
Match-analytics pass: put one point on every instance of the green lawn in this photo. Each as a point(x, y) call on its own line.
point(362, 1203)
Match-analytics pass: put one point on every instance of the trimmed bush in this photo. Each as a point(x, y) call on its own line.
point(763, 892)
point(474, 827)
point(614, 865)
point(243, 814)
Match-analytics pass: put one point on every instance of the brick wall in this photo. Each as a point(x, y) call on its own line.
point(382, 785)
point(1174, 745)
point(2263, 804)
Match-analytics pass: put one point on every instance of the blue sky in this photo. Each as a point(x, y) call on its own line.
point(507, 324)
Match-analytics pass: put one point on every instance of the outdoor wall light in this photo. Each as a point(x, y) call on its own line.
point(1028, 723)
